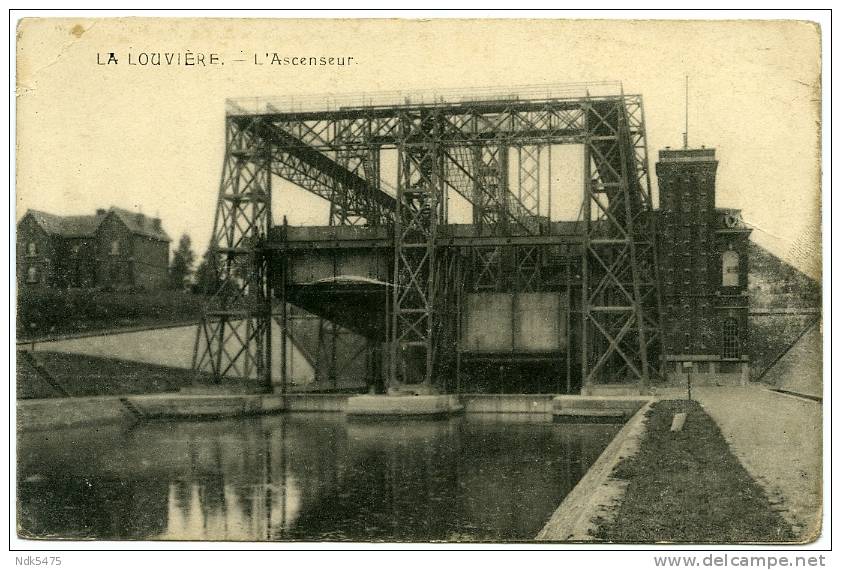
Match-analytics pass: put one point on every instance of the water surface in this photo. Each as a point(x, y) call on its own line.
point(303, 477)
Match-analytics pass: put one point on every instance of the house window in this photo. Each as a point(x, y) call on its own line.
point(32, 274)
point(730, 338)
point(115, 247)
point(730, 269)
point(32, 248)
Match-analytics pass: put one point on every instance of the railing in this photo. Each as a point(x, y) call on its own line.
point(335, 102)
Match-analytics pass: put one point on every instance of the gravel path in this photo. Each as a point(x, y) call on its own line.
point(778, 440)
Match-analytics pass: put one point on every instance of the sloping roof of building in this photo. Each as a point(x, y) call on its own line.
point(86, 226)
point(140, 224)
point(50, 223)
point(80, 226)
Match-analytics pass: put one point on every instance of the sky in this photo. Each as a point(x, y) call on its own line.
point(151, 138)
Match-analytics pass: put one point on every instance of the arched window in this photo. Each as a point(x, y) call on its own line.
point(730, 269)
point(32, 274)
point(730, 338)
point(32, 248)
point(115, 247)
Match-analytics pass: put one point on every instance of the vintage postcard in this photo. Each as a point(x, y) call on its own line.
point(418, 280)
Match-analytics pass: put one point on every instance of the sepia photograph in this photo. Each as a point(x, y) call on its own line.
point(411, 280)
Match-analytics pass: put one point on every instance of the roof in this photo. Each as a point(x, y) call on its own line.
point(80, 226)
point(50, 223)
point(67, 226)
point(140, 224)
point(86, 226)
point(687, 155)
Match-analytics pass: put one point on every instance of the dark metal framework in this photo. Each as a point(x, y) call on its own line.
point(466, 148)
point(234, 337)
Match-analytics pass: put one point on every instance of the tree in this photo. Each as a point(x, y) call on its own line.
point(206, 280)
point(182, 264)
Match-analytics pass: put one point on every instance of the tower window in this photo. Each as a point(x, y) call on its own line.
point(115, 247)
point(730, 338)
point(730, 269)
point(32, 248)
point(32, 274)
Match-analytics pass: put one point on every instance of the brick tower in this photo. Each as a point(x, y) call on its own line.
point(703, 272)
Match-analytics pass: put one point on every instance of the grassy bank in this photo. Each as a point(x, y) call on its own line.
point(689, 487)
point(78, 375)
point(47, 312)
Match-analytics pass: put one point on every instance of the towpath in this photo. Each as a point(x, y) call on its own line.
point(777, 438)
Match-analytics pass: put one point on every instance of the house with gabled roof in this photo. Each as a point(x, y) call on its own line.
point(113, 248)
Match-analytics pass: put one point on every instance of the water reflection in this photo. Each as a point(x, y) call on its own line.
point(303, 477)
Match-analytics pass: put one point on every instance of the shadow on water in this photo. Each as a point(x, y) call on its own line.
point(303, 477)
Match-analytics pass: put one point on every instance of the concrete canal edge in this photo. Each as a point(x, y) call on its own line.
point(597, 492)
point(366, 406)
point(56, 413)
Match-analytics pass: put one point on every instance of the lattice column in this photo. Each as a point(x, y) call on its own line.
point(490, 185)
point(645, 228)
point(419, 198)
point(234, 337)
point(617, 253)
point(445, 339)
point(528, 177)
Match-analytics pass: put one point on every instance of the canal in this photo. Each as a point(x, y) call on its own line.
point(304, 477)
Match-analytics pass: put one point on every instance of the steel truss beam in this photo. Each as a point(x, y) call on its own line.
point(504, 122)
point(348, 177)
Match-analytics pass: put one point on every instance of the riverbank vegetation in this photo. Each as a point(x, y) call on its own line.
point(51, 312)
point(688, 487)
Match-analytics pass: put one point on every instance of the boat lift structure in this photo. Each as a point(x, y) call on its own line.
point(435, 298)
